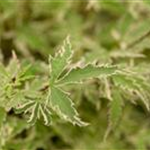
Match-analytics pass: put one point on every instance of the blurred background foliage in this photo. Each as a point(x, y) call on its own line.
point(109, 32)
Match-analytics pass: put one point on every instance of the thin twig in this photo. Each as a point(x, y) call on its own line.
point(131, 45)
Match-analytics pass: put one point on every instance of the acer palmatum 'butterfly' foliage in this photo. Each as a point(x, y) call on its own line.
point(42, 97)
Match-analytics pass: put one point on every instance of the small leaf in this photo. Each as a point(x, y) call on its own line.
point(15, 99)
point(36, 110)
point(34, 113)
point(115, 111)
point(133, 83)
point(24, 71)
point(124, 81)
point(46, 114)
point(76, 75)
point(60, 61)
point(25, 107)
point(64, 107)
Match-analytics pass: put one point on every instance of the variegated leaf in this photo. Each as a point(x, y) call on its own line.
point(36, 110)
point(115, 111)
point(64, 107)
point(132, 83)
point(60, 61)
point(78, 74)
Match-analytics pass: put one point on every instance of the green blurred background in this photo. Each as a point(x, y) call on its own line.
point(105, 31)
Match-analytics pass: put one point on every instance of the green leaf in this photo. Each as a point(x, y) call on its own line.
point(115, 111)
point(78, 74)
point(64, 107)
point(34, 113)
point(16, 99)
point(124, 81)
point(37, 110)
point(60, 61)
point(24, 71)
point(133, 83)
point(115, 108)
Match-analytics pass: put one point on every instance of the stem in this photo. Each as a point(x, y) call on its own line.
point(139, 40)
